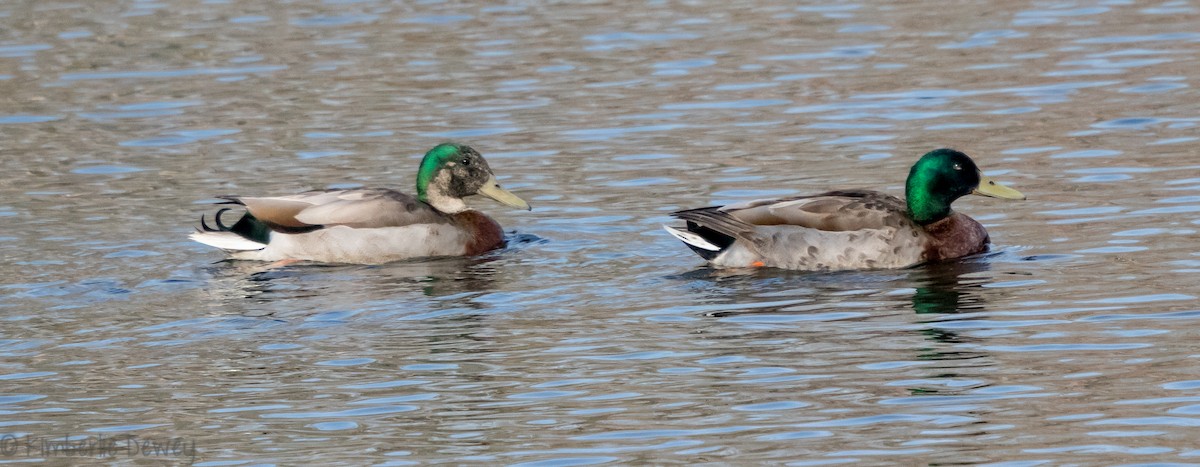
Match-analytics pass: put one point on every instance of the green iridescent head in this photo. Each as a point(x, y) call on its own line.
point(942, 176)
point(450, 172)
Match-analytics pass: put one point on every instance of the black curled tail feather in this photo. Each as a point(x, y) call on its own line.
point(247, 226)
point(221, 227)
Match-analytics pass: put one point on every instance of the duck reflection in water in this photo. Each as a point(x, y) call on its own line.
point(938, 288)
point(941, 294)
point(352, 286)
point(952, 287)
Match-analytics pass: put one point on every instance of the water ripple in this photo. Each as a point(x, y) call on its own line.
point(595, 338)
point(160, 74)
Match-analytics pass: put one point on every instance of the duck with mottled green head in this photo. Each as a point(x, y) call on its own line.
point(371, 225)
point(851, 229)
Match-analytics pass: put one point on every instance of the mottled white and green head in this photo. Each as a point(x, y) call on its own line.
point(942, 176)
point(450, 172)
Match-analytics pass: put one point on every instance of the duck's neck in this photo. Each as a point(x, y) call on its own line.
point(445, 203)
point(433, 193)
point(924, 206)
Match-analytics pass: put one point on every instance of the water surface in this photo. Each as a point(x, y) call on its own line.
point(596, 338)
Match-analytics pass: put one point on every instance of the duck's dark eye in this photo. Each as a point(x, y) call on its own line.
point(465, 161)
point(958, 167)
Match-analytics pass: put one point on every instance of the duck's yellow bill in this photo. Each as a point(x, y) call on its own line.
point(988, 187)
point(492, 190)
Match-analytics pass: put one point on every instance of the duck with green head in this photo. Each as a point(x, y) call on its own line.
point(852, 229)
point(371, 225)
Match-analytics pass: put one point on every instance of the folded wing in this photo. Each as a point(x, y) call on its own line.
point(836, 211)
point(358, 208)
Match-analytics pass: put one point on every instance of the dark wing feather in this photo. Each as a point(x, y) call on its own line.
point(717, 226)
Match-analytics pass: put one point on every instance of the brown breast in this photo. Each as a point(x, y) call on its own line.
point(954, 237)
point(485, 233)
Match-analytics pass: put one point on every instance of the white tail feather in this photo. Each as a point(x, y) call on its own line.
point(692, 239)
point(226, 241)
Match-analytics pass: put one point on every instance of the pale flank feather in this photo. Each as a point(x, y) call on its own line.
point(226, 241)
point(792, 247)
point(362, 246)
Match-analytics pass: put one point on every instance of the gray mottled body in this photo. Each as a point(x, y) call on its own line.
point(830, 231)
point(341, 244)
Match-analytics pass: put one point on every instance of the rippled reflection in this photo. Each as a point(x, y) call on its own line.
point(955, 287)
